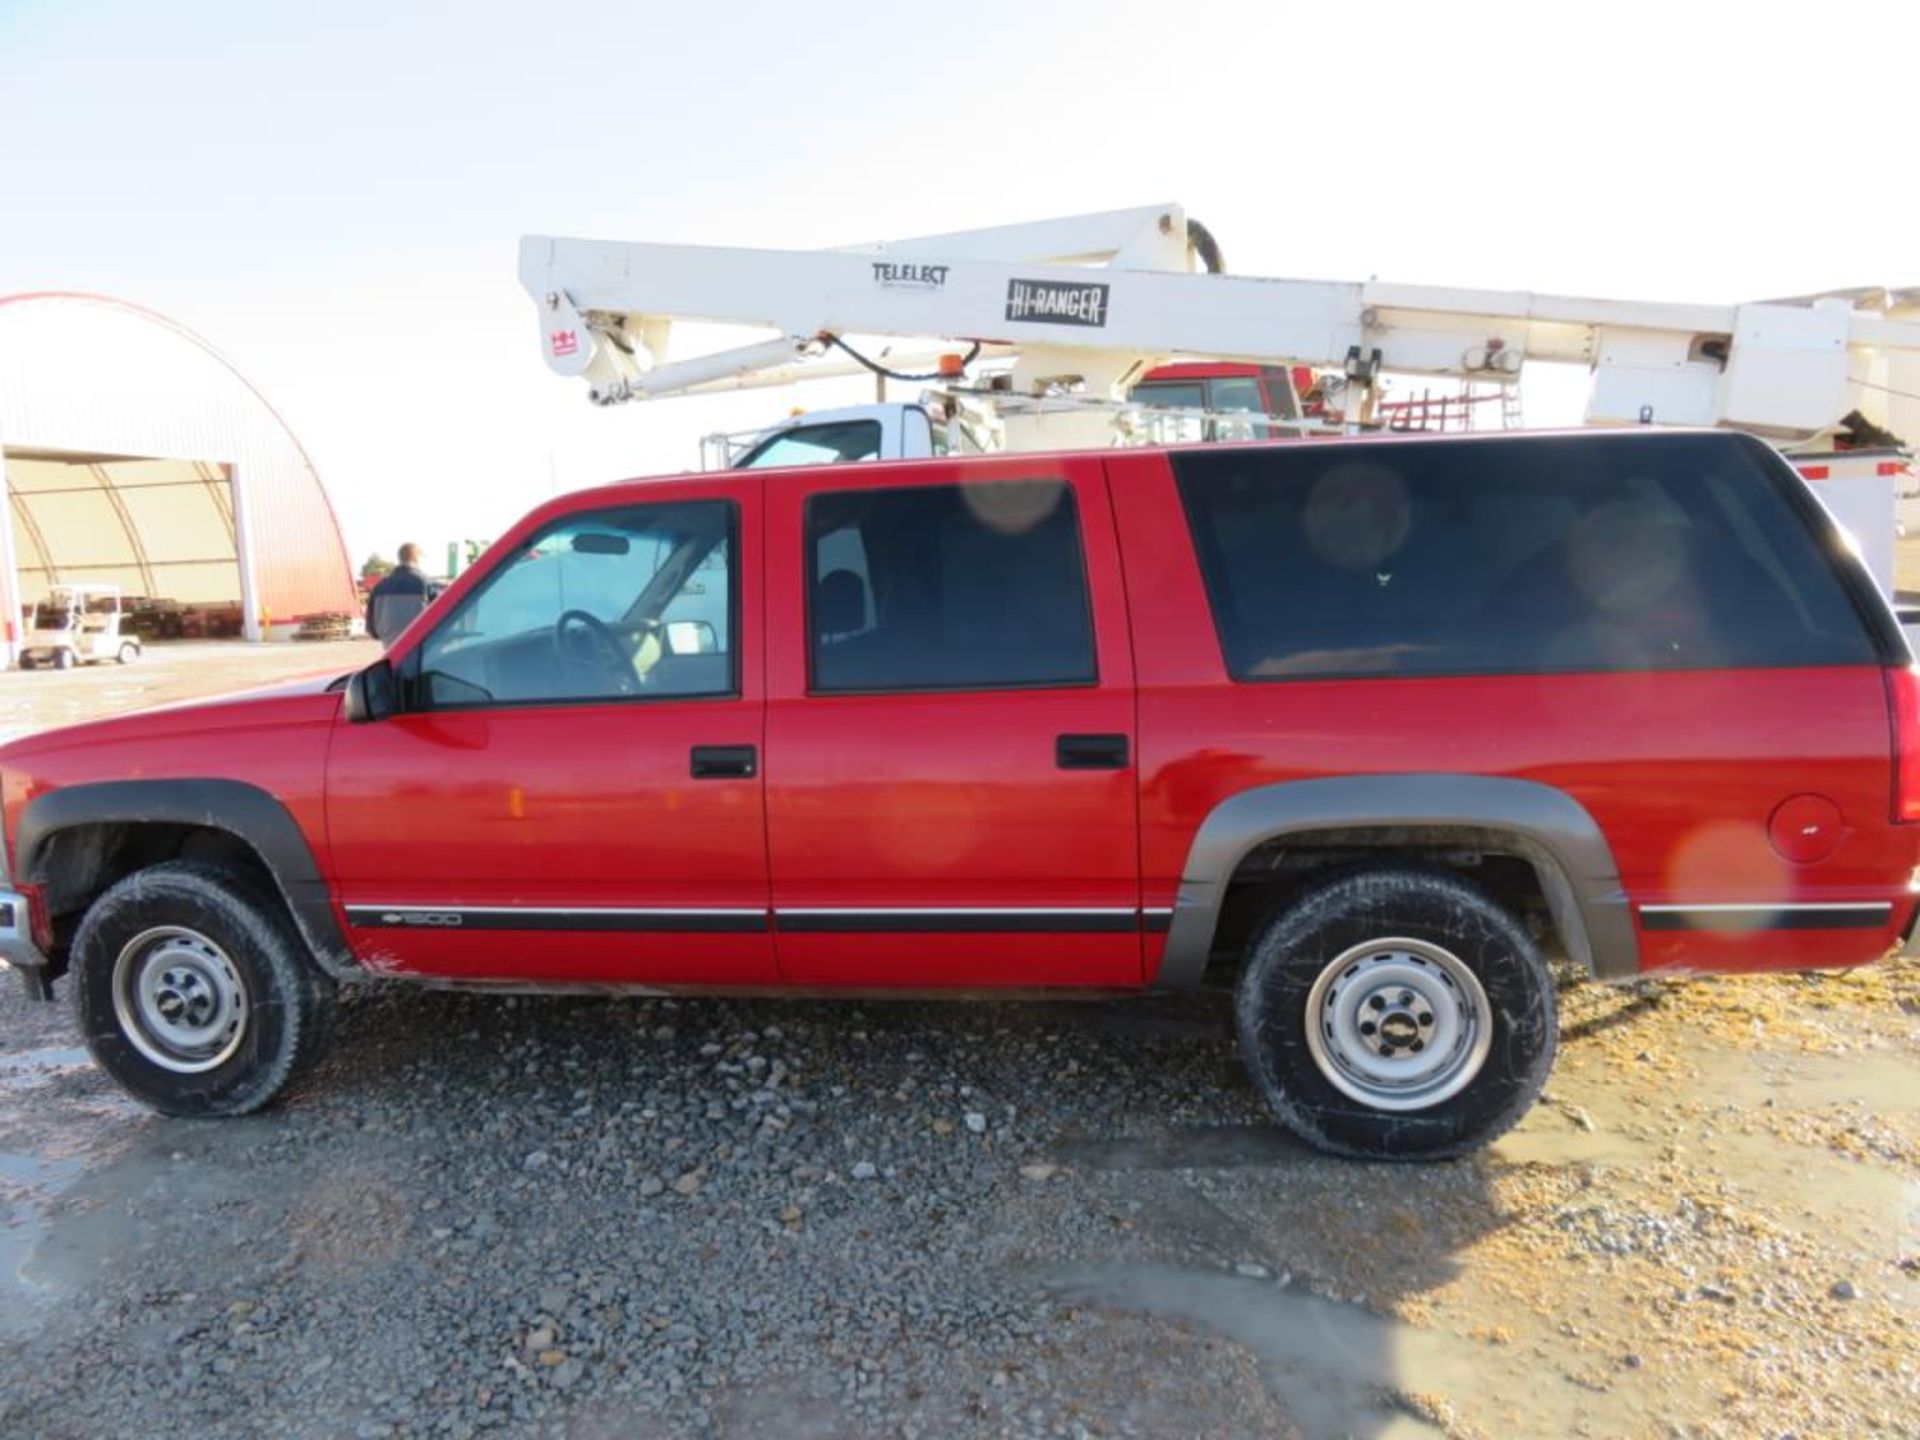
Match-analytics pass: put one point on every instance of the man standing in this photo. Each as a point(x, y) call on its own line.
point(401, 594)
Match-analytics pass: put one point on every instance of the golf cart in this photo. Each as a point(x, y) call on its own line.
point(78, 624)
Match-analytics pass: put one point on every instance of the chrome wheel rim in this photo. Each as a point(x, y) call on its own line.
point(1399, 1024)
point(179, 999)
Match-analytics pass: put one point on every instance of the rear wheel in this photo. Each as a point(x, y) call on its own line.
point(1397, 1014)
point(63, 659)
point(192, 991)
point(128, 652)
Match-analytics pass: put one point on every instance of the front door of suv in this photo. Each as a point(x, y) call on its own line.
point(572, 790)
point(950, 728)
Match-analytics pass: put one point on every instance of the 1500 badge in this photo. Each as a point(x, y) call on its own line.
point(1057, 302)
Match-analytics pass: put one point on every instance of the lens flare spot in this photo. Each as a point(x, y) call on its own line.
point(925, 827)
point(1727, 861)
point(1015, 507)
point(1357, 516)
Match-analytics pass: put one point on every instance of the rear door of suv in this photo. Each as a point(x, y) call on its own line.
point(950, 727)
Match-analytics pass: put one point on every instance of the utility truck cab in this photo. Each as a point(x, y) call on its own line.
point(78, 624)
point(1173, 404)
point(839, 436)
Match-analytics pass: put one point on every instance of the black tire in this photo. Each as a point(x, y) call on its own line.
point(289, 1003)
point(27, 662)
point(63, 659)
point(1347, 914)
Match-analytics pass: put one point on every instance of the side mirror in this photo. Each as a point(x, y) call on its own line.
point(372, 694)
point(691, 637)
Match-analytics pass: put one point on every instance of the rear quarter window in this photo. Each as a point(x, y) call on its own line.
point(1629, 552)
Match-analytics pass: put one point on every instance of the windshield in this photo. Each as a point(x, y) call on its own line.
point(833, 442)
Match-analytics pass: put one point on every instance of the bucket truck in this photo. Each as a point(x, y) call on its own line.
point(1032, 336)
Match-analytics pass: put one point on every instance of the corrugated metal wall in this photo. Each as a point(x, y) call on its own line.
point(94, 376)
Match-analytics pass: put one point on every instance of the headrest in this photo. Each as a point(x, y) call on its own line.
point(839, 604)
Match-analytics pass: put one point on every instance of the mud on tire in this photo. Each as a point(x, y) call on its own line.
point(1341, 959)
point(195, 993)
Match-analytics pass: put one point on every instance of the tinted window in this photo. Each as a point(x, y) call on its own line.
point(632, 603)
point(1596, 553)
point(832, 443)
point(947, 587)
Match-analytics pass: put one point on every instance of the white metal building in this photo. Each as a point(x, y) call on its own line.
point(177, 481)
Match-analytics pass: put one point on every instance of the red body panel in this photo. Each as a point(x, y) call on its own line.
point(578, 805)
point(954, 801)
point(275, 739)
point(585, 806)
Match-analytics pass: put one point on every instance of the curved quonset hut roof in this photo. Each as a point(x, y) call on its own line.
point(121, 429)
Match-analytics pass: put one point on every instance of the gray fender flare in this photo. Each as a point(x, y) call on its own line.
point(245, 811)
point(1546, 827)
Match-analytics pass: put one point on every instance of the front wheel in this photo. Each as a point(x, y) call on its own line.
point(63, 659)
point(1397, 1014)
point(192, 991)
point(128, 653)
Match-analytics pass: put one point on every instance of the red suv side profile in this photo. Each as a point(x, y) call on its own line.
point(1367, 729)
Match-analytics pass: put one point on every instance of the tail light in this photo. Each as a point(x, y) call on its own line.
point(1903, 695)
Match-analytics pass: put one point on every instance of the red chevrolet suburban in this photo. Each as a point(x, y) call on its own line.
point(1366, 728)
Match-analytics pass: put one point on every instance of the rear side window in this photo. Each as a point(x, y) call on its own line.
point(1594, 553)
point(947, 587)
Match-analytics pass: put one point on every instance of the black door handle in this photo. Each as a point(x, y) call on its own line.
point(724, 762)
point(1090, 752)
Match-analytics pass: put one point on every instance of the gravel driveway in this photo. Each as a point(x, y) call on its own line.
point(587, 1217)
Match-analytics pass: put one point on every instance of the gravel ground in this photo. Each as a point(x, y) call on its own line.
point(578, 1217)
point(581, 1217)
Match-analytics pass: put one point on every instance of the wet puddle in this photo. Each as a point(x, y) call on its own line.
point(1878, 1080)
point(32, 1068)
point(28, 1186)
point(32, 1180)
point(1338, 1369)
point(1199, 1148)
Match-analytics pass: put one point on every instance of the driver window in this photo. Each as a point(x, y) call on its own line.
point(634, 603)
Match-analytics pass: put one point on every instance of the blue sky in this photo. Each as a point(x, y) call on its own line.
point(333, 194)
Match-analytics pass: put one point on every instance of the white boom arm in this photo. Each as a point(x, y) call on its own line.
point(1092, 302)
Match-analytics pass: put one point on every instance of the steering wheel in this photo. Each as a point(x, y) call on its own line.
point(612, 655)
